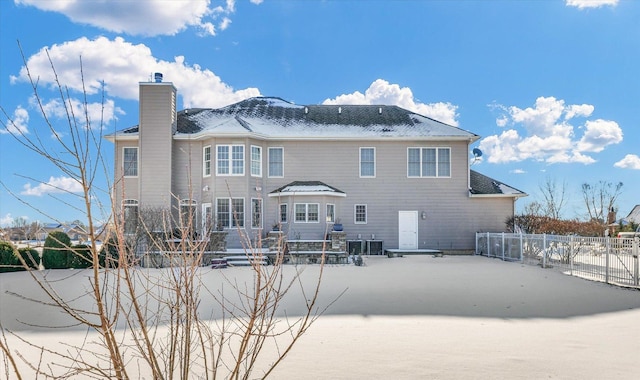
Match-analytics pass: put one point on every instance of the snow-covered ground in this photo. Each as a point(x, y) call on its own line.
point(420, 317)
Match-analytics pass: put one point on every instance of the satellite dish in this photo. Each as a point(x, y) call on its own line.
point(477, 152)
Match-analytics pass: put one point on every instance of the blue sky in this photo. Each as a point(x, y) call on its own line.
point(552, 87)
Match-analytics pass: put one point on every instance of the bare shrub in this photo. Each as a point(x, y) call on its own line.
point(150, 322)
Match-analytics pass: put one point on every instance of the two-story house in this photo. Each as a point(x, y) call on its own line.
point(383, 172)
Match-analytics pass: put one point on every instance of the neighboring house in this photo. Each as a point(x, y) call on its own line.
point(74, 231)
point(383, 172)
point(633, 217)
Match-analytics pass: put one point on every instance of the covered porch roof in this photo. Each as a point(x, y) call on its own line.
point(301, 188)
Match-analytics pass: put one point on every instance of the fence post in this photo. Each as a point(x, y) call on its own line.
point(606, 265)
point(521, 249)
point(544, 250)
point(503, 246)
point(636, 268)
point(571, 255)
point(488, 245)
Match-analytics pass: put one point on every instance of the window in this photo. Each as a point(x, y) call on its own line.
point(283, 213)
point(188, 215)
point(367, 162)
point(331, 213)
point(276, 162)
point(429, 162)
point(206, 218)
point(230, 160)
point(306, 212)
point(256, 161)
point(230, 212)
point(130, 162)
point(256, 213)
point(206, 161)
point(360, 216)
point(130, 210)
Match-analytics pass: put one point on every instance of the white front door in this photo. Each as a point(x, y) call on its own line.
point(407, 229)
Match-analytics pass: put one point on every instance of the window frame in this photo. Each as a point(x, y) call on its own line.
point(258, 213)
point(361, 162)
point(283, 209)
point(425, 163)
point(126, 167)
point(207, 218)
point(269, 162)
point(330, 217)
point(258, 162)
point(230, 217)
point(206, 163)
point(355, 214)
point(192, 204)
point(230, 160)
point(306, 213)
point(128, 204)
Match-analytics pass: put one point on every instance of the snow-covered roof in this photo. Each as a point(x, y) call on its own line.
point(298, 188)
point(481, 185)
point(634, 215)
point(270, 117)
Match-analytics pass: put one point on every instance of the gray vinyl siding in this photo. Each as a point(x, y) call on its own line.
point(170, 168)
point(155, 152)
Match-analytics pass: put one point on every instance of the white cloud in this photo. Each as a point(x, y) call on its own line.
point(518, 171)
point(142, 17)
point(18, 124)
point(54, 185)
point(5, 221)
point(582, 4)
point(382, 92)
point(599, 134)
point(630, 161)
point(121, 65)
point(544, 133)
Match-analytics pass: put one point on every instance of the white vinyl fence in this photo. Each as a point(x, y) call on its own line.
point(611, 260)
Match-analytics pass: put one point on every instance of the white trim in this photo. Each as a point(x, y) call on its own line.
point(124, 170)
point(261, 222)
point(375, 163)
point(204, 167)
point(307, 193)
point(269, 162)
point(366, 213)
point(230, 160)
point(306, 213)
point(437, 149)
point(251, 161)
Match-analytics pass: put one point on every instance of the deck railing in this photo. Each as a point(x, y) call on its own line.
point(610, 260)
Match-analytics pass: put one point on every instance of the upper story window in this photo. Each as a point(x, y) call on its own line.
point(130, 162)
point(256, 161)
point(429, 162)
point(206, 161)
point(367, 162)
point(230, 160)
point(276, 162)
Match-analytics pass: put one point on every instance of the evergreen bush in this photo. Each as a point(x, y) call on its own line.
point(30, 256)
point(80, 257)
point(9, 261)
point(55, 254)
point(109, 254)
